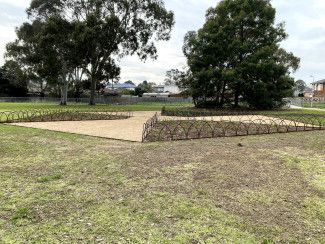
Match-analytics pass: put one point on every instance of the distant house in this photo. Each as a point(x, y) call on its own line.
point(168, 89)
point(308, 92)
point(319, 88)
point(121, 86)
point(164, 91)
point(157, 95)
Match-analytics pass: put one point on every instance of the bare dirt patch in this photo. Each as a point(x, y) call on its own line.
point(126, 129)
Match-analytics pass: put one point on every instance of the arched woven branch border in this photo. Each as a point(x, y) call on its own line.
point(48, 115)
point(147, 127)
point(183, 128)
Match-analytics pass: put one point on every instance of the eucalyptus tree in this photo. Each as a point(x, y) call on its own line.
point(300, 86)
point(57, 41)
point(174, 77)
point(34, 60)
point(237, 54)
point(107, 30)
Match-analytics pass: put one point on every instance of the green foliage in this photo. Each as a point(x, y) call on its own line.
point(237, 55)
point(42, 50)
point(142, 88)
point(129, 82)
point(106, 29)
point(300, 86)
point(126, 92)
point(13, 81)
point(63, 37)
point(175, 77)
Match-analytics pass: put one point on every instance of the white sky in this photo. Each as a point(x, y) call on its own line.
point(305, 24)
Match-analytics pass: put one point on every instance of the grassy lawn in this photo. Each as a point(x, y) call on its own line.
point(150, 106)
point(62, 188)
point(315, 105)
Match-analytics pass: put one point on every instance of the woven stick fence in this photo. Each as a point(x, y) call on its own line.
point(47, 115)
point(185, 128)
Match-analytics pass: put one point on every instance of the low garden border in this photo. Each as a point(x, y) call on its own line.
point(148, 126)
point(186, 128)
point(194, 112)
point(48, 115)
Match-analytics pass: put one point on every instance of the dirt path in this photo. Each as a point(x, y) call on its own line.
point(314, 109)
point(127, 129)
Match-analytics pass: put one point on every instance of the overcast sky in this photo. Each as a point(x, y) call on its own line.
point(305, 24)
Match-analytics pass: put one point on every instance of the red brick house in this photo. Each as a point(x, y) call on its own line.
point(319, 88)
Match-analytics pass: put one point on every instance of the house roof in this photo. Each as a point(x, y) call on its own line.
point(121, 86)
point(308, 89)
point(319, 82)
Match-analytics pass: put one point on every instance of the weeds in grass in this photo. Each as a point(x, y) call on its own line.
point(20, 214)
point(49, 178)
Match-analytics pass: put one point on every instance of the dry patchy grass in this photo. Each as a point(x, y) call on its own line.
point(62, 188)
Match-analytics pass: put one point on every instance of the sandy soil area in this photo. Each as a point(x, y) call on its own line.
point(131, 129)
point(127, 129)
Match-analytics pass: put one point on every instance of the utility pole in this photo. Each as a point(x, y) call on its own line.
point(312, 97)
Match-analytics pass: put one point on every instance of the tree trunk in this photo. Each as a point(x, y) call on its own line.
point(217, 98)
point(237, 97)
point(222, 100)
point(77, 91)
point(92, 91)
point(64, 92)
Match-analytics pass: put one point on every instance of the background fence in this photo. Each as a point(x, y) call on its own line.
point(318, 102)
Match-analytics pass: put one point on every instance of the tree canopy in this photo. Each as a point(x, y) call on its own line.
point(91, 35)
point(12, 80)
point(175, 77)
point(237, 56)
point(300, 86)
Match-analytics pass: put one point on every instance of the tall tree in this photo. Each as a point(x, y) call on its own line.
point(144, 87)
point(106, 30)
point(174, 77)
point(129, 82)
point(237, 54)
point(300, 86)
point(34, 52)
point(57, 40)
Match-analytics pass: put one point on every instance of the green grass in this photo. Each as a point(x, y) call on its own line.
point(64, 188)
point(314, 105)
point(50, 178)
point(313, 168)
point(150, 106)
